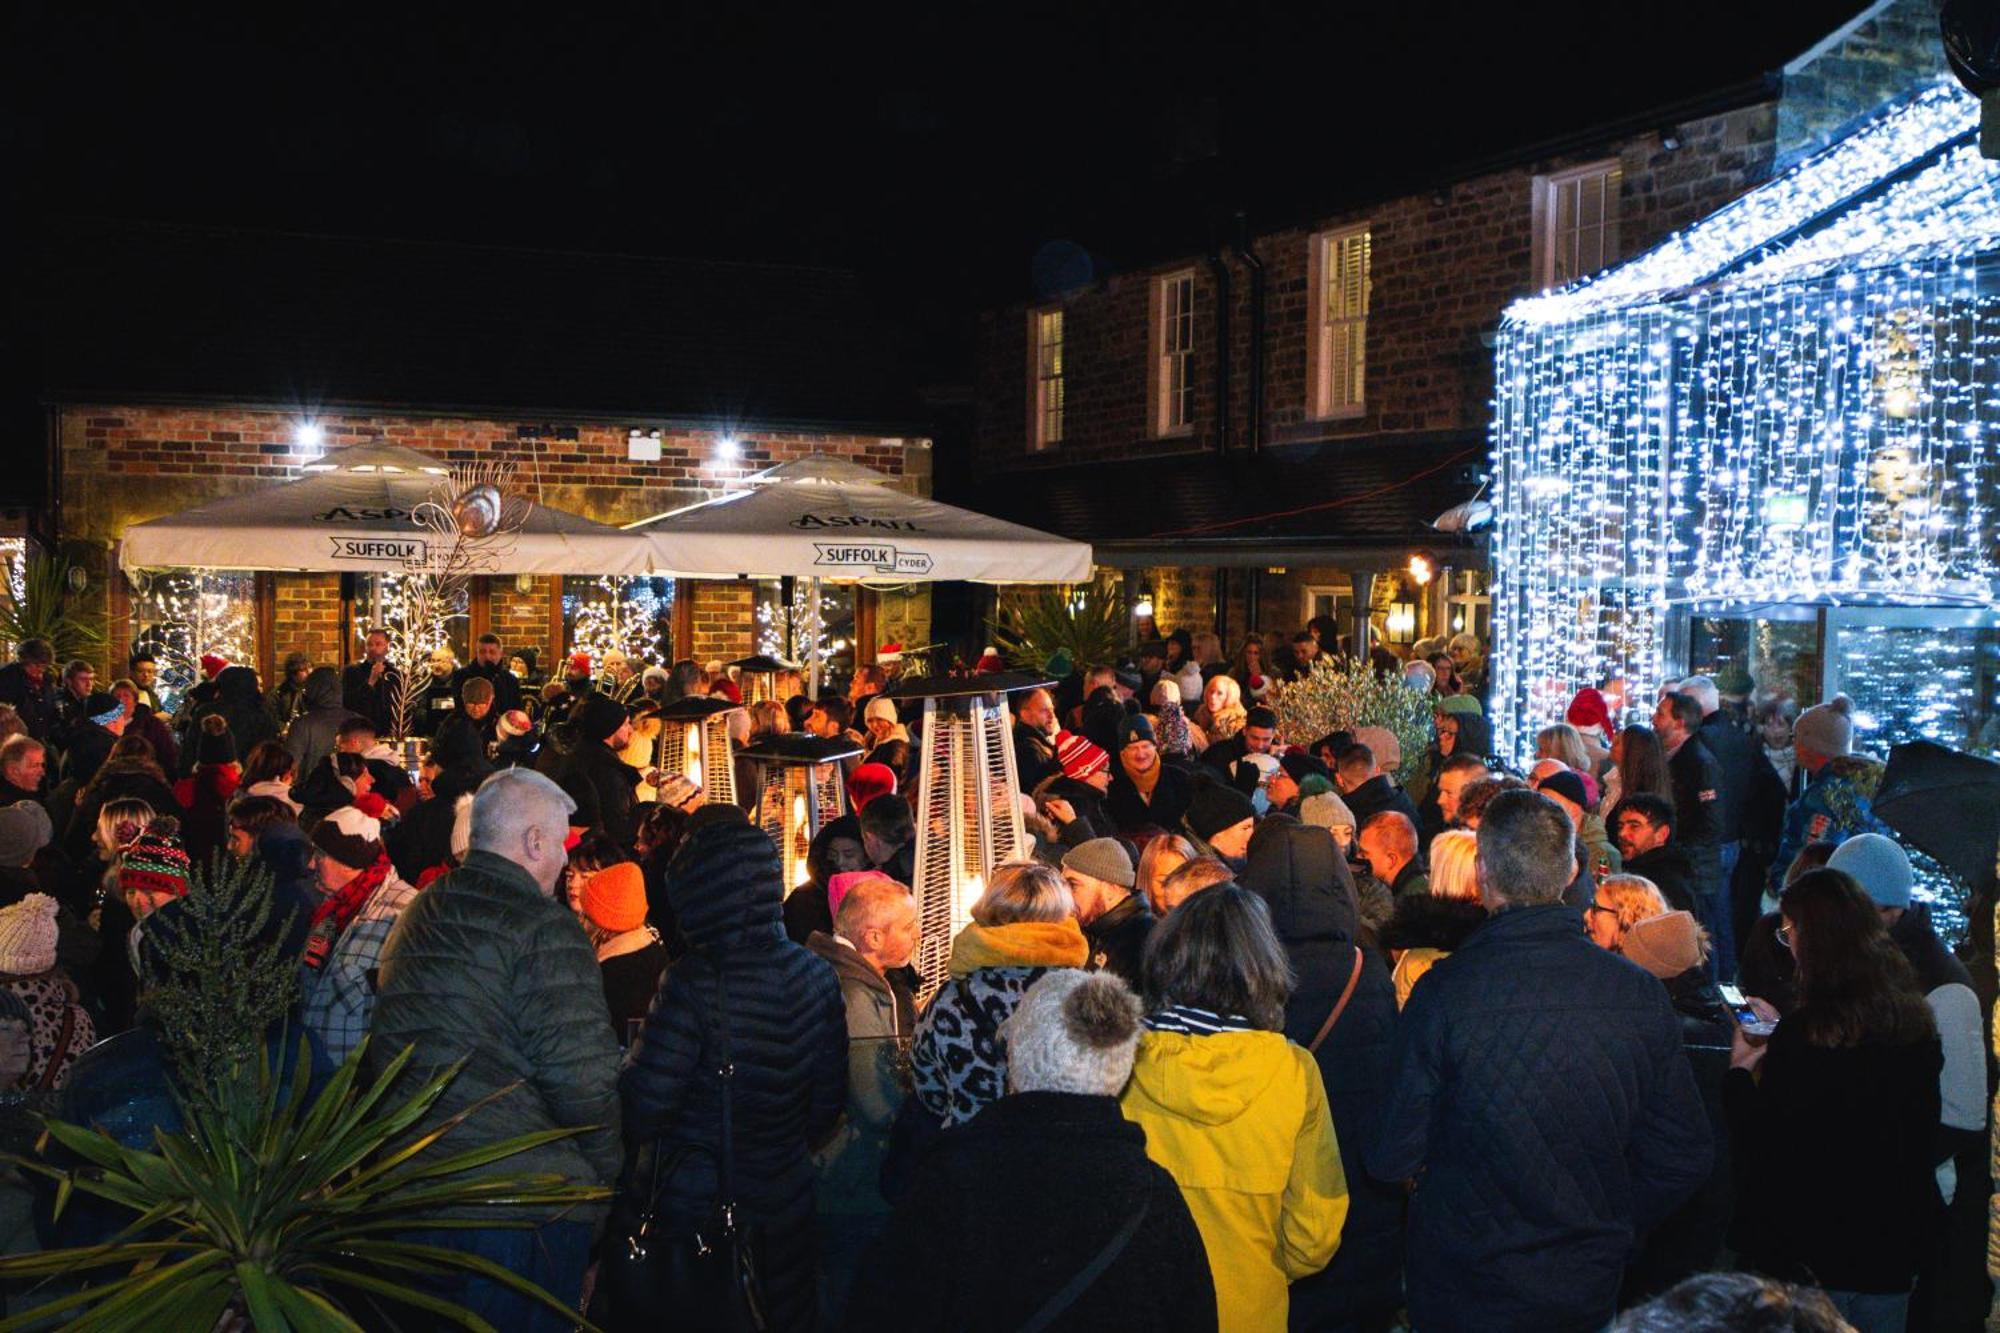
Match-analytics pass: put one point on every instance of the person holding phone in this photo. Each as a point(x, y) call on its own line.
point(1834, 1113)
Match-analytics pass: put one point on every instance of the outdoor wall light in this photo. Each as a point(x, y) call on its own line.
point(728, 447)
point(1401, 622)
point(1423, 568)
point(309, 435)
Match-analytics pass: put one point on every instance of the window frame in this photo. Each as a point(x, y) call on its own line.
point(1040, 439)
point(1163, 394)
point(1325, 404)
point(1546, 218)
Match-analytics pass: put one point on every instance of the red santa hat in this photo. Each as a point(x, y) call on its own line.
point(990, 661)
point(212, 665)
point(889, 652)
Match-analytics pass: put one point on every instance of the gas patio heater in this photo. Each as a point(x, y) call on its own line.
point(803, 786)
point(757, 676)
point(694, 742)
point(967, 803)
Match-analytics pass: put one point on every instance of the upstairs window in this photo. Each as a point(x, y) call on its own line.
point(1339, 313)
point(1173, 354)
point(1045, 379)
point(1576, 223)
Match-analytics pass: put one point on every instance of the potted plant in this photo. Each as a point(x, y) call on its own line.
point(268, 1202)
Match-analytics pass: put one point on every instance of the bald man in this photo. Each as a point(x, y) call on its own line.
point(1035, 740)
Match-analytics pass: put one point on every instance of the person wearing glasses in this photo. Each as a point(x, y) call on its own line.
point(1621, 902)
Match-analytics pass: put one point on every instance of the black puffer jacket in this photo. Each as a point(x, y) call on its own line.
point(487, 968)
point(311, 735)
point(1543, 1104)
point(422, 838)
point(1298, 871)
point(787, 1041)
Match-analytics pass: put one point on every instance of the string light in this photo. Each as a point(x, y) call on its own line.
point(183, 615)
point(782, 626)
point(1783, 404)
point(622, 614)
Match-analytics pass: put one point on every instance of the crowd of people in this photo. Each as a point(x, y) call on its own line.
point(1269, 1031)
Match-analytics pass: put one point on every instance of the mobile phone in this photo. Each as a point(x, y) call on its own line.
point(1746, 1018)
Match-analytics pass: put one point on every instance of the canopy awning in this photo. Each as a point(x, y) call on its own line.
point(355, 510)
point(827, 519)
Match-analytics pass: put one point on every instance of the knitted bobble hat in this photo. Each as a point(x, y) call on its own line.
point(28, 936)
point(156, 862)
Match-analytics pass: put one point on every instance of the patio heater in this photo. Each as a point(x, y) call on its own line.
point(803, 787)
point(757, 676)
point(694, 742)
point(967, 803)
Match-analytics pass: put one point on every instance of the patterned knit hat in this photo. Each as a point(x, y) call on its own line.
point(1079, 757)
point(156, 863)
point(28, 936)
point(615, 897)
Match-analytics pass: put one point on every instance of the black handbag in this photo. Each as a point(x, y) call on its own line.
point(707, 1278)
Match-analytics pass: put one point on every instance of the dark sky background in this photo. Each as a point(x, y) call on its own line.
point(938, 148)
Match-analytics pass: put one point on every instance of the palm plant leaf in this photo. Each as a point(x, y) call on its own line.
point(46, 607)
point(1085, 622)
point(290, 1213)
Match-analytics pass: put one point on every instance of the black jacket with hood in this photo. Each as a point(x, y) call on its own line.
point(787, 1029)
point(240, 704)
point(1298, 871)
point(310, 737)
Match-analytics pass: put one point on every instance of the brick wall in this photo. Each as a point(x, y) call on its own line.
point(305, 617)
point(1891, 53)
point(725, 621)
point(1443, 267)
point(124, 464)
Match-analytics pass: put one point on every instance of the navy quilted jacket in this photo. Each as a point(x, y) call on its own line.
point(1544, 1107)
point(787, 1041)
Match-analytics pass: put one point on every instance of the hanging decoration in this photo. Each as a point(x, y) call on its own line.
point(473, 513)
point(1787, 403)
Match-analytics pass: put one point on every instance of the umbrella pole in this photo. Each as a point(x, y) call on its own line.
point(812, 639)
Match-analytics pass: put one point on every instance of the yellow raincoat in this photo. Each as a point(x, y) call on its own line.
point(1239, 1120)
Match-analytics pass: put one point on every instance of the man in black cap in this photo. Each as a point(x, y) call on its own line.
point(595, 777)
point(1259, 734)
point(1220, 820)
point(1146, 794)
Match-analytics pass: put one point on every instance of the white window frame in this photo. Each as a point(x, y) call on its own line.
point(1048, 421)
point(1552, 239)
point(1341, 593)
point(1170, 383)
point(1337, 377)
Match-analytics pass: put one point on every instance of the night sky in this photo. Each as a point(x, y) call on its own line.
point(940, 154)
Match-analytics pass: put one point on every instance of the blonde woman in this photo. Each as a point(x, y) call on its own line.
point(1222, 712)
point(1161, 857)
point(1622, 901)
point(1428, 926)
point(1023, 925)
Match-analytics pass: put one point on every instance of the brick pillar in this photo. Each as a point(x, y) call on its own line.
point(725, 620)
point(305, 618)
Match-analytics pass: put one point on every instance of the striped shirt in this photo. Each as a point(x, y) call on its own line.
point(1193, 1022)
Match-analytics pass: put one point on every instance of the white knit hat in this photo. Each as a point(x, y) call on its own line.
point(28, 936)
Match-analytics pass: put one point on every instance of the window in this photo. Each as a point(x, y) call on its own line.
point(410, 608)
point(180, 615)
point(634, 616)
point(1339, 299)
point(1173, 354)
point(1045, 378)
point(1576, 223)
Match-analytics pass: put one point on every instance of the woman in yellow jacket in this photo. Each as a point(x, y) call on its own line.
point(1235, 1112)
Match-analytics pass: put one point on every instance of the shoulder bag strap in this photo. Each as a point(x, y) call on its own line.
point(1076, 1286)
point(63, 1039)
point(1353, 979)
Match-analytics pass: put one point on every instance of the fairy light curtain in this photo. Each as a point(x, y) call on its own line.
point(1785, 404)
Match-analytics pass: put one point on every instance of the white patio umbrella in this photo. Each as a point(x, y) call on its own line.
point(354, 510)
point(821, 518)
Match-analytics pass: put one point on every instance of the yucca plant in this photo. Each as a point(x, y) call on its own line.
point(1084, 622)
point(46, 607)
point(291, 1225)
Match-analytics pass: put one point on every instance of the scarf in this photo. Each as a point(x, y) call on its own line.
point(1019, 944)
point(1190, 1021)
point(340, 907)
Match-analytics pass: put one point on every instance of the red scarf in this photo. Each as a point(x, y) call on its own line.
point(340, 907)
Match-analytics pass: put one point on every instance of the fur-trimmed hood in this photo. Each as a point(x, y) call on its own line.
point(1423, 921)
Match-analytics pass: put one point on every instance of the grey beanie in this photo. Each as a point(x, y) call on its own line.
point(1102, 858)
point(1827, 728)
point(1073, 1031)
point(24, 830)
